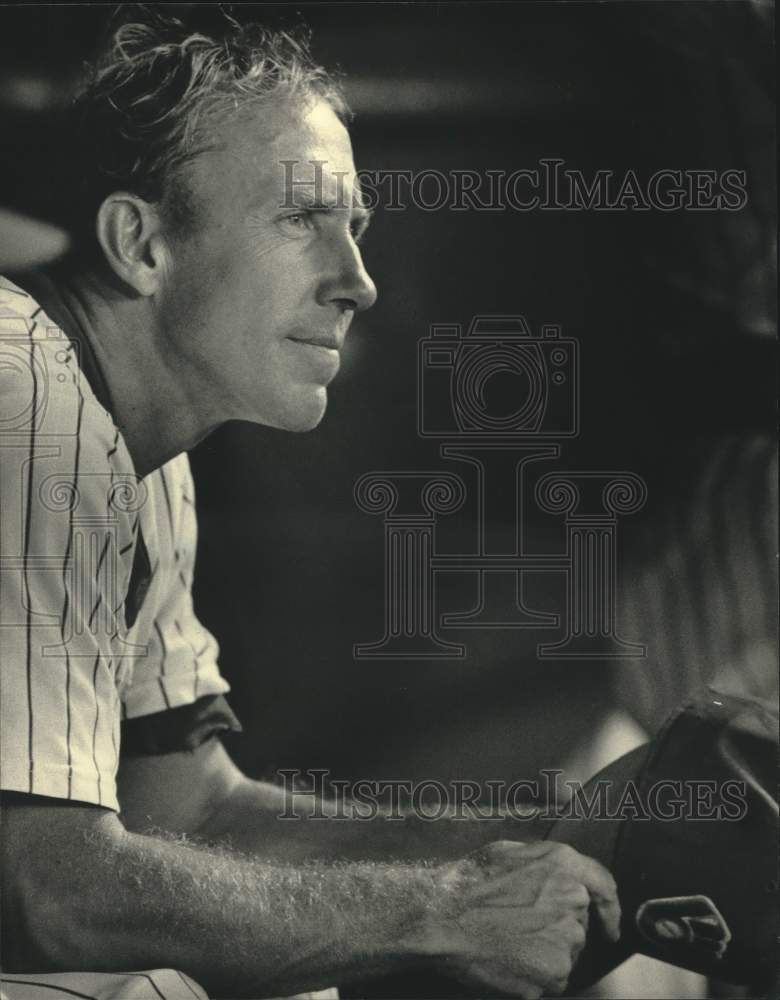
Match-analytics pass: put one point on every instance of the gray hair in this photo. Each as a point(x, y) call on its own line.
point(145, 111)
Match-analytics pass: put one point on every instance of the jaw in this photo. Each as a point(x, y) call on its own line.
point(300, 411)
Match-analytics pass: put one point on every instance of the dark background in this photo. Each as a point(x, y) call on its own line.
point(674, 313)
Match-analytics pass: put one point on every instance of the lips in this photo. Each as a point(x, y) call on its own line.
point(331, 343)
point(320, 352)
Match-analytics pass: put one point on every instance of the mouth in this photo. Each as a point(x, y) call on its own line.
point(328, 343)
point(322, 352)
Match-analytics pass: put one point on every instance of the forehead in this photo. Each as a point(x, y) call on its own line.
point(275, 154)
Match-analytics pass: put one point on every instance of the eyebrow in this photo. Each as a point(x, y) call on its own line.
point(306, 202)
point(305, 199)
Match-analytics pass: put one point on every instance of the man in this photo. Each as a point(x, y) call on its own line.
point(203, 287)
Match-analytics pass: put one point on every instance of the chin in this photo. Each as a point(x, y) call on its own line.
point(306, 415)
point(305, 425)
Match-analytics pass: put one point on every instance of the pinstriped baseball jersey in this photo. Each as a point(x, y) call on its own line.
point(77, 655)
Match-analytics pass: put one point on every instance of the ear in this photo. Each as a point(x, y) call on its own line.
point(128, 229)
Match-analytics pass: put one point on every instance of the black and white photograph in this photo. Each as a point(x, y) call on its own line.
point(388, 511)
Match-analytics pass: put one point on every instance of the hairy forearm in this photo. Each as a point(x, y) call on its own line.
point(270, 822)
point(236, 924)
point(202, 793)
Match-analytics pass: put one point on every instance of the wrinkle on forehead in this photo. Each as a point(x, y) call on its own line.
point(248, 162)
point(316, 150)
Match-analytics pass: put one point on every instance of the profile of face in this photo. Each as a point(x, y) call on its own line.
point(262, 291)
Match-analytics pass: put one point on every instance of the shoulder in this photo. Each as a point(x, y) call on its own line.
point(45, 400)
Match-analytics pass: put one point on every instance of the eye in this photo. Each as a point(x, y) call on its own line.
point(298, 222)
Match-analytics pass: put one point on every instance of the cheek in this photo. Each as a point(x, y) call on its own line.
point(259, 242)
point(241, 294)
point(202, 277)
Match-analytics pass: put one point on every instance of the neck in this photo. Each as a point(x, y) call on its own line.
point(149, 401)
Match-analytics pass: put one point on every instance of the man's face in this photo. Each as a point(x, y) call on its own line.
point(262, 293)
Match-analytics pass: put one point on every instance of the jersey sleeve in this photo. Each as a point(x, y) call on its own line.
point(64, 519)
point(181, 665)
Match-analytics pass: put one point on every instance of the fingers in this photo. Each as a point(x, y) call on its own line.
point(575, 935)
point(603, 892)
point(578, 901)
point(610, 918)
point(600, 885)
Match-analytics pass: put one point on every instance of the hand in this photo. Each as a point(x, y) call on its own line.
point(520, 916)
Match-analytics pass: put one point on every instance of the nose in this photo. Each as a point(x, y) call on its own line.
point(349, 284)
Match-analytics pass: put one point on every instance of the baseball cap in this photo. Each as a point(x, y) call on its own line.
point(688, 826)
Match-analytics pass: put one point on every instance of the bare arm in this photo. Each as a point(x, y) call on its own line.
point(83, 891)
point(203, 793)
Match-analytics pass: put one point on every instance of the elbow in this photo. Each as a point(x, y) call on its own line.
point(49, 878)
point(38, 929)
point(44, 927)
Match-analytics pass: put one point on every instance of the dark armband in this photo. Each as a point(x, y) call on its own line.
point(178, 729)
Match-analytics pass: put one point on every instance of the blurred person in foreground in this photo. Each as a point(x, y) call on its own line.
point(203, 287)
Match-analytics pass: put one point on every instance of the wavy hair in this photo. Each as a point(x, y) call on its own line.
point(146, 108)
